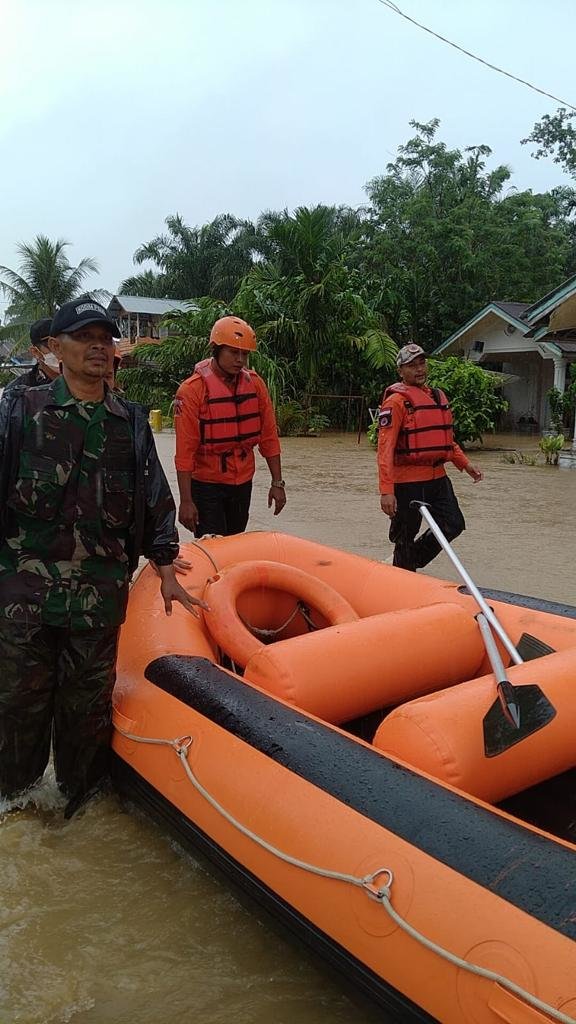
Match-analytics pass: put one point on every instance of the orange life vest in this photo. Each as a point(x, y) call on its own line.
point(427, 436)
point(228, 419)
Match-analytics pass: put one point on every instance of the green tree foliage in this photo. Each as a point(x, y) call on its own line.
point(159, 369)
point(308, 301)
point(474, 394)
point(209, 260)
point(148, 283)
point(43, 281)
point(555, 136)
point(331, 290)
point(444, 238)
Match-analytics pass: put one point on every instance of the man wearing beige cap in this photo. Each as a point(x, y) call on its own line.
point(415, 440)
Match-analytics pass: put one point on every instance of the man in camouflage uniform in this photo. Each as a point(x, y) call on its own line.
point(82, 495)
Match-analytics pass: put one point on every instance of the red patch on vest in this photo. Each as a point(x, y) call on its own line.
point(385, 417)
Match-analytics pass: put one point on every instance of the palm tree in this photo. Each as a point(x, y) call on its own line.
point(206, 261)
point(44, 280)
point(148, 284)
point(307, 299)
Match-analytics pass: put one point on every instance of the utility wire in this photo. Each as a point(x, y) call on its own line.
point(396, 10)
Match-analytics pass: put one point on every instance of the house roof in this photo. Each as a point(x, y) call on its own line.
point(539, 321)
point(515, 309)
point(140, 304)
point(511, 312)
point(548, 302)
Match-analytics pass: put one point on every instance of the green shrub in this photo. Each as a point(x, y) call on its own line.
point(291, 418)
point(317, 423)
point(552, 446)
point(474, 395)
point(563, 403)
point(372, 433)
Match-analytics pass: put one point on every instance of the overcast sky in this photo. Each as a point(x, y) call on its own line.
point(116, 113)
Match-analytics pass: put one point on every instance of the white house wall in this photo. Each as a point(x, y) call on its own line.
point(505, 345)
point(497, 338)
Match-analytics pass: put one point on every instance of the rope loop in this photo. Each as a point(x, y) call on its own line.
point(375, 891)
point(182, 745)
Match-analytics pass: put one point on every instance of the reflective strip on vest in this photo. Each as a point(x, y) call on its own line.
point(228, 419)
point(427, 436)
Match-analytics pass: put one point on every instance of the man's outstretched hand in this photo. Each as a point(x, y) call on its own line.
point(171, 591)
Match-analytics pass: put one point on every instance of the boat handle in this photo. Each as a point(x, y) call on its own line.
point(511, 1009)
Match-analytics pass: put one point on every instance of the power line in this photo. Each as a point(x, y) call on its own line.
point(396, 10)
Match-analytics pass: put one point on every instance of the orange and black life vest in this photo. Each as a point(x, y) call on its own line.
point(427, 435)
point(228, 418)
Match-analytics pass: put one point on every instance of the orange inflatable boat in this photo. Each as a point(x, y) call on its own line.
point(329, 735)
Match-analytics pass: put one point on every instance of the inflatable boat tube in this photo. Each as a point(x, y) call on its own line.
point(390, 657)
point(441, 734)
point(223, 592)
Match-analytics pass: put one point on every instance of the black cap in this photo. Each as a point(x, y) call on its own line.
point(40, 331)
point(79, 313)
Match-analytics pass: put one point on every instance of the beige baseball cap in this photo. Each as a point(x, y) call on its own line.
point(408, 353)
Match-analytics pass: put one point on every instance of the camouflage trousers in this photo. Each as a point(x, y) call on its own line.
point(55, 685)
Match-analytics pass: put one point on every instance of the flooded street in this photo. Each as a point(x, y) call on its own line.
point(104, 921)
point(519, 537)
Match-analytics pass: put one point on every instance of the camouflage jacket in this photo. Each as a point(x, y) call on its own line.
point(82, 494)
point(33, 378)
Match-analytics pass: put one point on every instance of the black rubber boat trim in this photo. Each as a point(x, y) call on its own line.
point(528, 870)
point(538, 604)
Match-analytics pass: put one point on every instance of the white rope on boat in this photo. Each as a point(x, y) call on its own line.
point(197, 544)
point(381, 893)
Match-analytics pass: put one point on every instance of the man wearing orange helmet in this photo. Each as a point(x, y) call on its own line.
point(222, 412)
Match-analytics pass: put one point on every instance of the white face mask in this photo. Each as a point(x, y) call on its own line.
point(51, 361)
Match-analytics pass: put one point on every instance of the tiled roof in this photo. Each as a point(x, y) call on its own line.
point(515, 309)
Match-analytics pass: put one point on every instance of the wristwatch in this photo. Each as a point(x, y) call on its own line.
point(278, 483)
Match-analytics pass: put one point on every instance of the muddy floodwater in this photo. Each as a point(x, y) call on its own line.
point(104, 921)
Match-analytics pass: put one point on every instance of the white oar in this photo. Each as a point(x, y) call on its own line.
point(519, 711)
point(504, 688)
point(473, 589)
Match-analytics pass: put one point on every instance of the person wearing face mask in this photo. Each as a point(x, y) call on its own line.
point(46, 368)
point(222, 412)
point(82, 497)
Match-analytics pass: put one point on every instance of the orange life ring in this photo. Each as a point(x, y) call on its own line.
point(224, 623)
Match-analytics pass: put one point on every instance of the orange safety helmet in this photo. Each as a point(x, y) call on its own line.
point(232, 331)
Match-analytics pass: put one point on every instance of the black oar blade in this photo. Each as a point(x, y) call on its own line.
point(534, 711)
point(531, 647)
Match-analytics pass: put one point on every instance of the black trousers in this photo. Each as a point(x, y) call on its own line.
point(222, 508)
point(56, 684)
point(413, 554)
